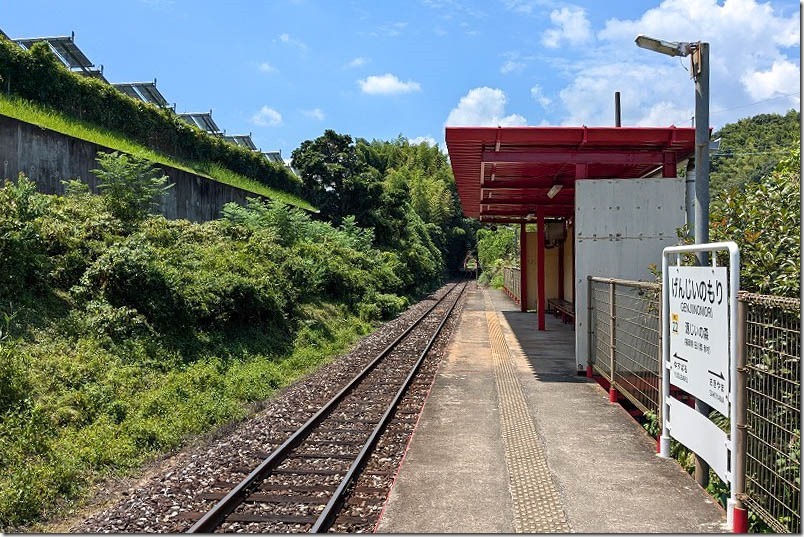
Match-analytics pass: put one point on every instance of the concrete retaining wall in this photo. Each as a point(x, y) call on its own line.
point(48, 157)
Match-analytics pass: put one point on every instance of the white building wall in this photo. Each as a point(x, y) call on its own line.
point(621, 228)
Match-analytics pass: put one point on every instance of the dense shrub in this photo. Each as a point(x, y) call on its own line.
point(23, 262)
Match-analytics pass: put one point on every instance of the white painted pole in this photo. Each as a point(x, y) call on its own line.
point(664, 441)
point(734, 280)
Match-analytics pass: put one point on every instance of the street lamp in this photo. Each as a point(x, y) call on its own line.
point(699, 55)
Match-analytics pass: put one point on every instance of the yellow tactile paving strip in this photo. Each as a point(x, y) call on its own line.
point(536, 500)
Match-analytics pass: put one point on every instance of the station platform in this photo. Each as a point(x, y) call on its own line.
point(512, 440)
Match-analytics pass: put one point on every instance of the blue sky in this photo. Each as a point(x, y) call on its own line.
point(287, 70)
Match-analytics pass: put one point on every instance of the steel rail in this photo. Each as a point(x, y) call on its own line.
point(327, 516)
point(216, 515)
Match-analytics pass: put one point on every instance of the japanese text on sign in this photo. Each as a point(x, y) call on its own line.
point(699, 324)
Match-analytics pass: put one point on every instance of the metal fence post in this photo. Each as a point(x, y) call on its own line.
point(740, 513)
point(612, 344)
point(590, 347)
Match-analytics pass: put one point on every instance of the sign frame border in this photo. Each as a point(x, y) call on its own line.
point(734, 288)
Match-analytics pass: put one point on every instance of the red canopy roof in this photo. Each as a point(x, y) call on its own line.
point(504, 174)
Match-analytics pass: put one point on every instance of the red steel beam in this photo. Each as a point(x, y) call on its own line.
point(523, 182)
point(527, 200)
point(552, 156)
point(510, 210)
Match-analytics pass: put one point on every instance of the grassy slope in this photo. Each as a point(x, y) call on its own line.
point(30, 113)
point(53, 450)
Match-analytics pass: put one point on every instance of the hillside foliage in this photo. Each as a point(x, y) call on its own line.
point(764, 219)
point(751, 148)
point(38, 76)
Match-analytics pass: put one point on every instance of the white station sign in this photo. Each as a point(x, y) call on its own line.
point(699, 333)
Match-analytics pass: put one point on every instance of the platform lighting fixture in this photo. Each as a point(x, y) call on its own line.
point(668, 48)
point(699, 56)
point(554, 190)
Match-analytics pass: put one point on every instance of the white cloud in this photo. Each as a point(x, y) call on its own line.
point(524, 7)
point(572, 27)
point(393, 29)
point(483, 107)
point(589, 98)
point(510, 66)
point(267, 117)
point(387, 84)
point(315, 113)
point(429, 140)
point(539, 96)
point(753, 56)
point(357, 62)
point(289, 40)
point(778, 80)
point(266, 67)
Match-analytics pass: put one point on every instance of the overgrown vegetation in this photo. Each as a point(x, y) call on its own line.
point(497, 247)
point(37, 76)
point(122, 333)
point(405, 193)
point(24, 110)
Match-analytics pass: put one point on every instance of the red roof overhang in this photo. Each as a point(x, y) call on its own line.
point(504, 174)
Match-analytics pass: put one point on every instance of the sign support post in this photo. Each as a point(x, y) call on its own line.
point(699, 323)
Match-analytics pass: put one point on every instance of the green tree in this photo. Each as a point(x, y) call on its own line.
point(764, 219)
point(336, 179)
point(751, 148)
point(131, 187)
point(496, 247)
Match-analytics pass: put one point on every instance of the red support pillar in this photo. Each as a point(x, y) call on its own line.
point(540, 269)
point(523, 269)
point(670, 161)
point(561, 271)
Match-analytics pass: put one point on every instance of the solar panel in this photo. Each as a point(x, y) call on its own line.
point(143, 91)
point(129, 90)
point(243, 140)
point(203, 121)
point(64, 47)
point(151, 94)
point(274, 156)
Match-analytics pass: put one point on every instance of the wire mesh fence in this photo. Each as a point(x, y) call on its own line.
point(631, 311)
point(625, 347)
point(773, 400)
point(511, 282)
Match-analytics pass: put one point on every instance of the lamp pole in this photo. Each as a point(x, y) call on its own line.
point(699, 54)
point(700, 73)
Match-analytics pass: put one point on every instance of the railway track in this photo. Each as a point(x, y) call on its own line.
point(303, 484)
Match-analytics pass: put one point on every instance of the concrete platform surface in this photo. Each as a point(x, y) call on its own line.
point(513, 440)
